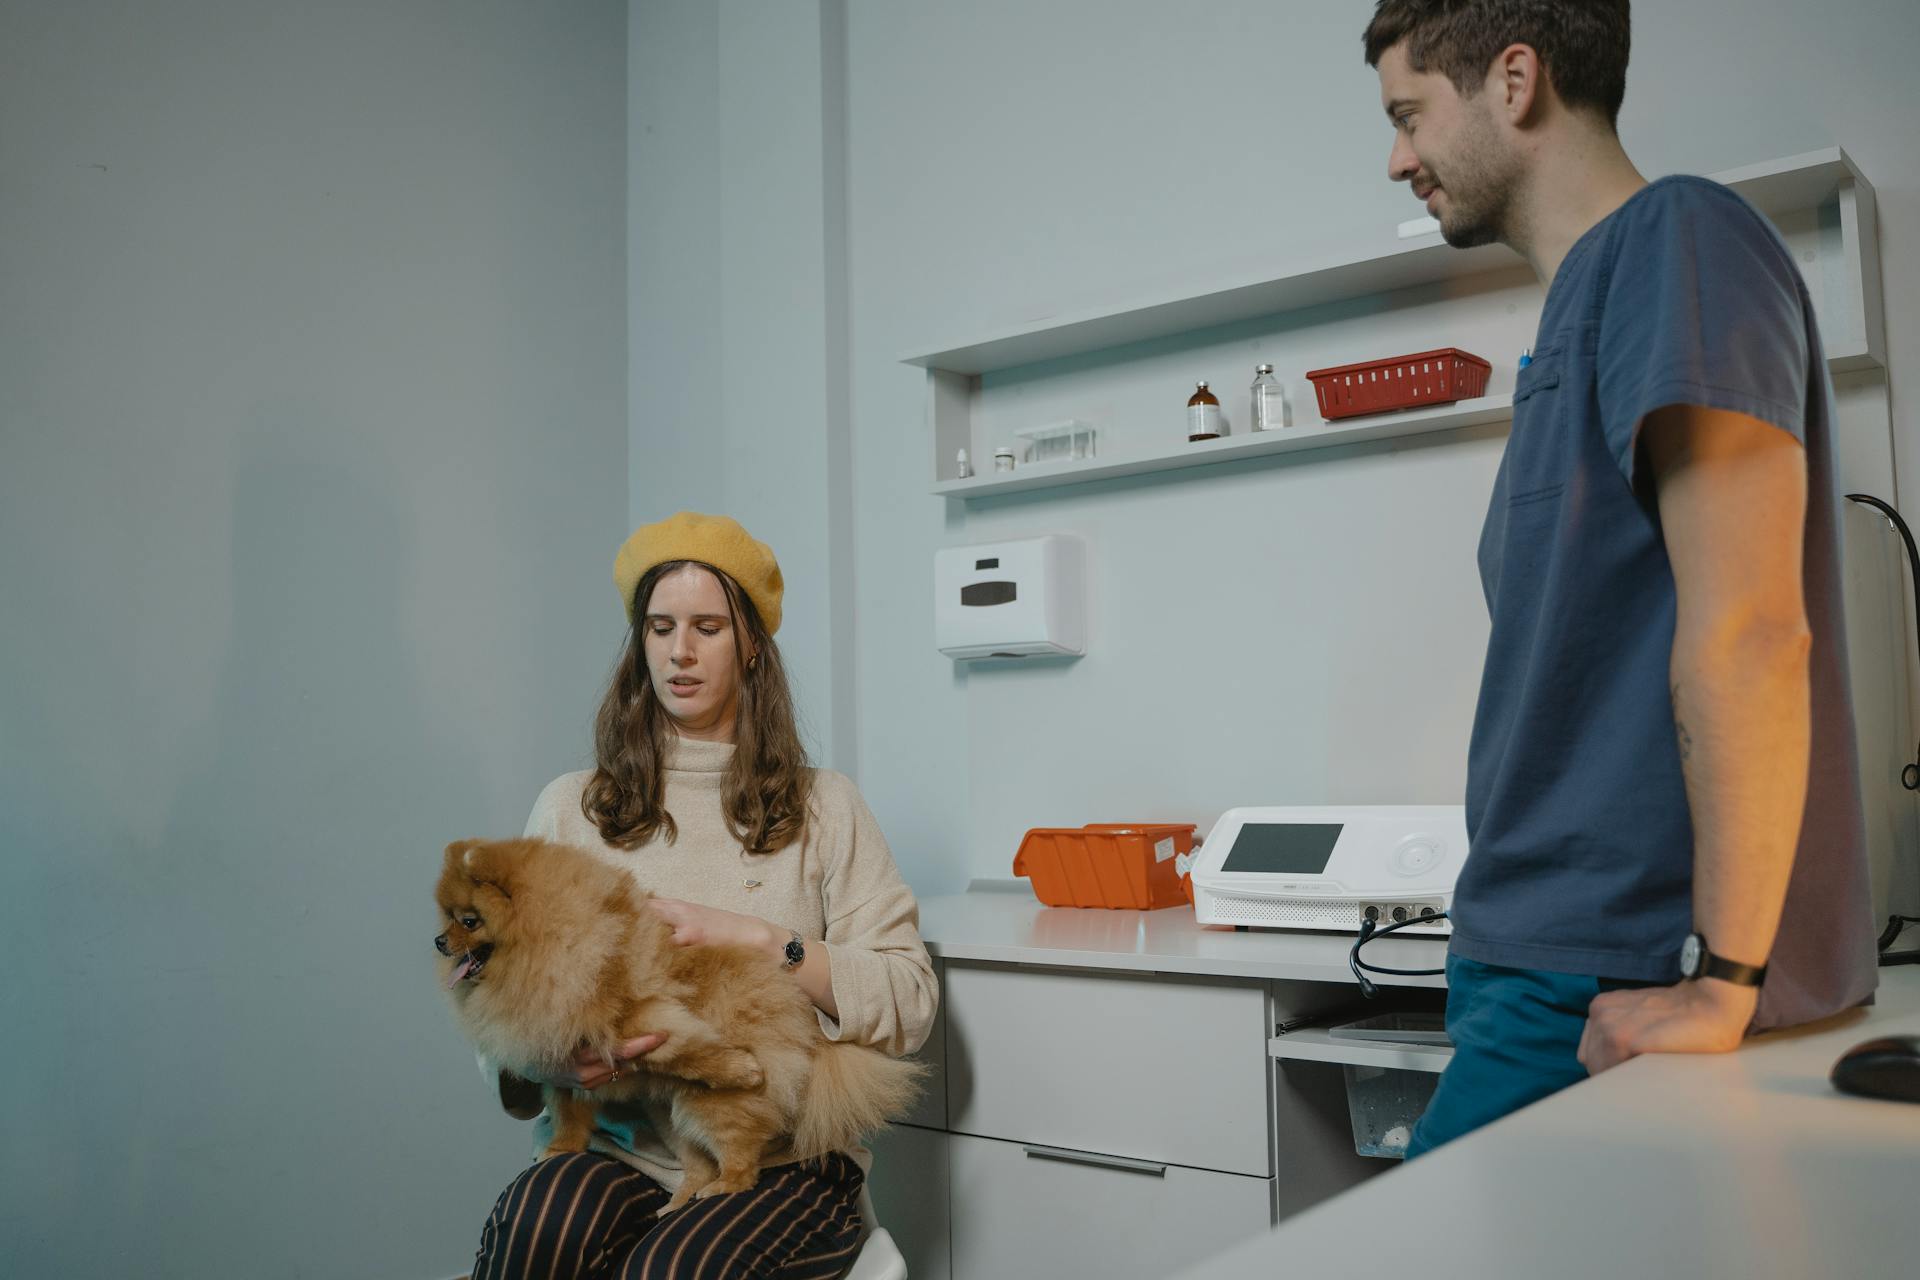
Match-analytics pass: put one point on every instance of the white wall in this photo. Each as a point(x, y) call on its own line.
point(738, 317)
point(1295, 632)
point(312, 362)
point(312, 427)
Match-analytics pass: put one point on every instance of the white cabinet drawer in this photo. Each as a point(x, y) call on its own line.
point(1161, 1069)
point(1031, 1216)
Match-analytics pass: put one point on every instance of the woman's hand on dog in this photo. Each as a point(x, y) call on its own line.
point(696, 926)
point(590, 1070)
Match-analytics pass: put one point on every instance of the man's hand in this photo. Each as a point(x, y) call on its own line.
point(1708, 1016)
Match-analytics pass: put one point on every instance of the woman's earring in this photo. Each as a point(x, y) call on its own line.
point(750, 661)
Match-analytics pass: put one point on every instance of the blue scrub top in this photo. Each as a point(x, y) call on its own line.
point(1581, 854)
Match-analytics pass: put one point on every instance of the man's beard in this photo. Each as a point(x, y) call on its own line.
point(1479, 184)
point(1465, 229)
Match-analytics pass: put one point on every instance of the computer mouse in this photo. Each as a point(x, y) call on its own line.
point(1885, 1068)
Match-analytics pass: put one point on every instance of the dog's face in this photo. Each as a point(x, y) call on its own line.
point(476, 906)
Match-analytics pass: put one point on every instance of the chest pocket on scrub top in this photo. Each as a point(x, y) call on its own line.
point(1517, 539)
point(1536, 446)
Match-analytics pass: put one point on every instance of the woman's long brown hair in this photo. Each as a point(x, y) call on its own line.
point(768, 784)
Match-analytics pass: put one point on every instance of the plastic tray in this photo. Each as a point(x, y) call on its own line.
point(1396, 1028)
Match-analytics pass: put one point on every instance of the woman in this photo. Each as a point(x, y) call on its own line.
point(702, 790)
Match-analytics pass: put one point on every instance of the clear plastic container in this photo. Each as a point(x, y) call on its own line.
point(1070, 441)
point(1383, 1103)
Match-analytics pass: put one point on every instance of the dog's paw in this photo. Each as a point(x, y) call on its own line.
point(725, 1185)
point(678, 1199)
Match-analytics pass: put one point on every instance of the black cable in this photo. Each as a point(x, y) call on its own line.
point(1896, 925)
point(1910, 775)
point(1368, 932)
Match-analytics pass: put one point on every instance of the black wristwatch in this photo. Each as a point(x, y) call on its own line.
point(1697, 962)
point(796, 953)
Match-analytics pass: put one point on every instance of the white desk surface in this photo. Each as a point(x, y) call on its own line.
point(1746, 1165)
point(1004, 922)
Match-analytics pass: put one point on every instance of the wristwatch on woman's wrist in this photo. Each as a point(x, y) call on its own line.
point(795, 953)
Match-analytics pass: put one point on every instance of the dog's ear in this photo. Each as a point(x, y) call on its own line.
point(455, 858)
point(452, 887)
point(486, 862)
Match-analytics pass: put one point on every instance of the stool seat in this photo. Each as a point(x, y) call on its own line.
point(879, 1258)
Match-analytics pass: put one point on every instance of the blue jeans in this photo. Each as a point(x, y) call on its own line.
point(1516, 1037)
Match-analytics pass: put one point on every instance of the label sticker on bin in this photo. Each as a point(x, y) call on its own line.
point(1163, 849)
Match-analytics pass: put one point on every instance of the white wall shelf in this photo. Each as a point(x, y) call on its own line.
point(1235, 448)
point(1261, 444)
point(1775, 187)
point(1820, 200)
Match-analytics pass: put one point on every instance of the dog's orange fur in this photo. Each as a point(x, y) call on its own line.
point(578, 959)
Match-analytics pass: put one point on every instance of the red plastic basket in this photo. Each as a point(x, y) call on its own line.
point(1404, 382)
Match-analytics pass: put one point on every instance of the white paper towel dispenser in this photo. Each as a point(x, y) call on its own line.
point(1011, 599)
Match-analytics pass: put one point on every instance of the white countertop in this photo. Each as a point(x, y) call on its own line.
point(1004, 922)
point(1746, 1165)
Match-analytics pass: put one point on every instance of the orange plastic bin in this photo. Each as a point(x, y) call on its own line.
point(1110, 864)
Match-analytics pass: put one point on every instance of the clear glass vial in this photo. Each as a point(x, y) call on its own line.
point(1269, 410)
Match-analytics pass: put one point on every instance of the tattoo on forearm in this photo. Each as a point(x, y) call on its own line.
point(1680, 728)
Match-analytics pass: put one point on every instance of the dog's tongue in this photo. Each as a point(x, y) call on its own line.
point(460, 970)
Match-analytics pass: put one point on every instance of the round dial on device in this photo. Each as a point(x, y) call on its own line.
point(1418, 854)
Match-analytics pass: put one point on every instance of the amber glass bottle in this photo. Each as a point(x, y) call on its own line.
point(1203, 415)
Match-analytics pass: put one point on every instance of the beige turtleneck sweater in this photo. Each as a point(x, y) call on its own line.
point(838, 887)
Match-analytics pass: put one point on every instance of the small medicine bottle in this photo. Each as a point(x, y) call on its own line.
point(1203, 415)
point(1003, 458)
point(1269, 400)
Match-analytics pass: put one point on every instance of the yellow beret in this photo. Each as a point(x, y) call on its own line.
point(715, 540)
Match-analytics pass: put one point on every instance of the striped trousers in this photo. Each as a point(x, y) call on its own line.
point(585, 1215)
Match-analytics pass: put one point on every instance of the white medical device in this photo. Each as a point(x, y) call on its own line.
point(1330, 867)
point(1017, 599)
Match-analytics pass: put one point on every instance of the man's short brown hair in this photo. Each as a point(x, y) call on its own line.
point(1582, 43)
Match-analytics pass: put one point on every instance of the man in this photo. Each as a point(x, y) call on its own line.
point(1662, 789)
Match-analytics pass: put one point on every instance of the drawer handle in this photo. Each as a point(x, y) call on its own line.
point(1099, 1162)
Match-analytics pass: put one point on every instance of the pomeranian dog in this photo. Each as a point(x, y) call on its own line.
point(547, 948)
